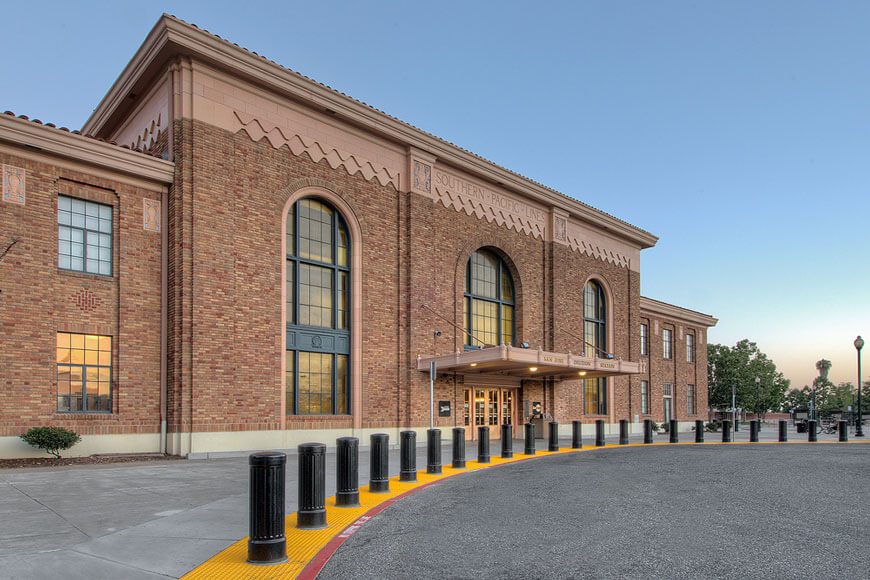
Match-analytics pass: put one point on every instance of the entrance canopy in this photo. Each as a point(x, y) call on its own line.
point(526, 363)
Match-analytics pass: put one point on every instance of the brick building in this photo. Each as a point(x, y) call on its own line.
point(231, 256)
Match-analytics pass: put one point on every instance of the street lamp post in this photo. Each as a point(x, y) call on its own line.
point(859, 429)
point(734, 405)
point(757, 398)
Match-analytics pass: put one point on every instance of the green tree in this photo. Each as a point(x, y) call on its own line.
point(737, 368)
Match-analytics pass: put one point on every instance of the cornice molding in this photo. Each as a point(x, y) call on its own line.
point(650, 306)
point(171, 36)
point(84, 149)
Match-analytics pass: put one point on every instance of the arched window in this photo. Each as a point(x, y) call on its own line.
point(594, 320)
point(318, 310)
point(489, 301)
point(595, 344)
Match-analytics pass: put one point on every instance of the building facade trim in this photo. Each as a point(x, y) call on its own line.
point(171, 36)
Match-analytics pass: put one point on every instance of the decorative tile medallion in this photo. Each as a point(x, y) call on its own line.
point(14, 184)
point(561, 228)
point(422, 177)
point(151, 215)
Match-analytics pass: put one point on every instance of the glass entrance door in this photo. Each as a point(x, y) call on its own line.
point(488, 407)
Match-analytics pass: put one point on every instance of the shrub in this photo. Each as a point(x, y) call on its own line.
point(52, 439)
point(713, 426)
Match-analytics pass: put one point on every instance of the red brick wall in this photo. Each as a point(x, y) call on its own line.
point(677, 371)
point(37, 300)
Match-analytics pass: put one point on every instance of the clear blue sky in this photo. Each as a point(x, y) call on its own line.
point(738, 132)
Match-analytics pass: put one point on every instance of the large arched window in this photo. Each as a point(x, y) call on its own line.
point(595, 344)
point(318, 310)
point(489, 301)
point(594, 320)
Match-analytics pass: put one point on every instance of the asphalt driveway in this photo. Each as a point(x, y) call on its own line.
point(764, 511)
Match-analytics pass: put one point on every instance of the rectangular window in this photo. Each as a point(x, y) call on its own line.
point(595, 395)
point(690, 398)
point(644, 397)
point(667, 344)
point(84, 236)
point(690, 348)
point(84, 373)
point(644, 340)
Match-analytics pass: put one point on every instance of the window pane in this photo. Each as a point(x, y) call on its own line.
point(291, 292)
point(484, 268)
point(342, 386)
point(64, 262)
point(507, 285)
point(507, 324)
point(343, 301)
point(484, 321)
point(289, 375)
point(315, 296)
point(315, 231)
point(63, 203)
point(343, 244)
point(315, 383)
point(291, 230)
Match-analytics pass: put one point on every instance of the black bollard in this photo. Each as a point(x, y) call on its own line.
point(753, 431)
point(843, 430)
point(554, 437)
point(507, 441)
point(783, 431)
point(726, 431)
point(736, 426)
point(675, 436)
point(599, 432)
point(379, 470)
point(311, 508)
point(433, 451)
point(347, 472)
point(699, 431)
point(459, 447)
point(408, 454)
point(647, 431)
point(483, 444)
point(623, 431)
point(267, 543)
point(813, 435)
point(576, 435)
point(530, 438)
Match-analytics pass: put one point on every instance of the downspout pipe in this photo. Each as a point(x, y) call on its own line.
point(164, 321)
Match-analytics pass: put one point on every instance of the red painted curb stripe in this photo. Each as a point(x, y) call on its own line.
point(316, 564)
point(313, 568)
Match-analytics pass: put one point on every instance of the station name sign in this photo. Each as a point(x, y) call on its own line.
point(457, 185)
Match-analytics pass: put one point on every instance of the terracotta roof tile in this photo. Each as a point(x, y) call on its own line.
point(75, 132)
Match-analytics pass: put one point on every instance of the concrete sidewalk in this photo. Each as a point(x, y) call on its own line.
point(160, 519)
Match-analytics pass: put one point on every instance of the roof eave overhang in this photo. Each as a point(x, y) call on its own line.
point(663, 308)
point(34, 137)
point(170, 37)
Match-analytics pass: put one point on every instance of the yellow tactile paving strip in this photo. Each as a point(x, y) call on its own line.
point(303, 546)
